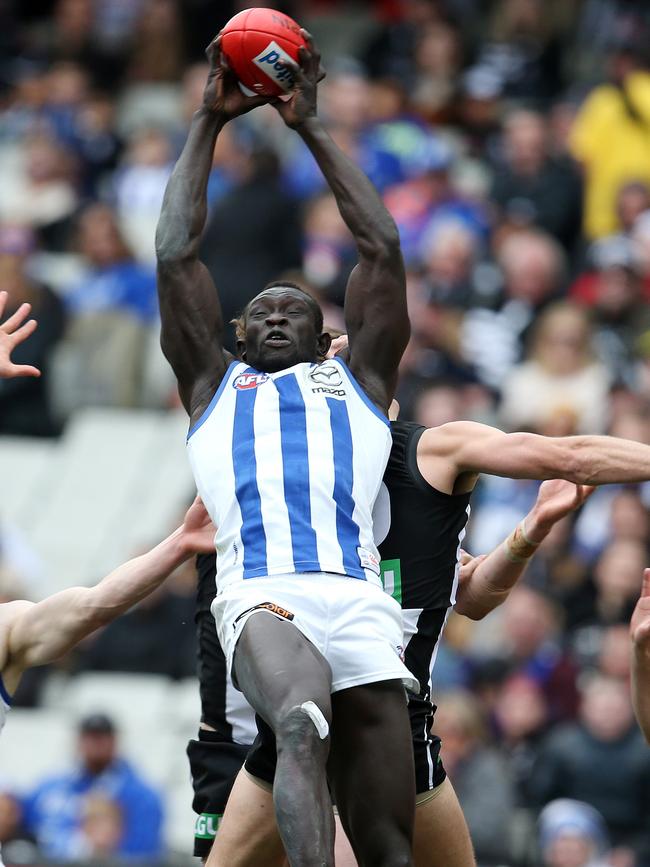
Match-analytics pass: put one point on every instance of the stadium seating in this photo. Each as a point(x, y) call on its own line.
point(116, 482)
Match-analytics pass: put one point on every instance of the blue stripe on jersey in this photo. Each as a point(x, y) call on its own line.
point(295, 467)
point(3, 692)
point(364, 397)
point(208, 410)
point(347, 530)
point(247, 492)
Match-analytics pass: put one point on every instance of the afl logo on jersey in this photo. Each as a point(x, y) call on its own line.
point(246, 381)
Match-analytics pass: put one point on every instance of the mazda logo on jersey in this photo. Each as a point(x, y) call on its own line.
point(249, 380)
point(327, 374)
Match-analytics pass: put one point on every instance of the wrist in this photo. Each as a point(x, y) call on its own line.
point(308, 125)
point(216, 117)
point(178, 548)
point(519, 547)
point(535, 527)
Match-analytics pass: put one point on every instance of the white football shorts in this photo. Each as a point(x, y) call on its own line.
point(354, 624)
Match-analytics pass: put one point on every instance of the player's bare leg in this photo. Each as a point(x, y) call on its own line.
point(441, 836)
point(287, 681)
point(248, 834)
point(373, 774)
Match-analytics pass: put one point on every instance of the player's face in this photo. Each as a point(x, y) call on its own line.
point(280, 331)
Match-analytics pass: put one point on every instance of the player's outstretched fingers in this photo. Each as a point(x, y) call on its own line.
point(24, 331)
point(16, 318)
point(3, 300)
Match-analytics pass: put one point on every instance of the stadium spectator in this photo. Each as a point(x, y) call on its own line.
point(610, 597)
point(139, 185)
point(561, 388)
point(533, 188)
point(42, 190)
point(572, 834)
point(101, 829)
point(520, 716)
point(530, 643)
point(61, 815)
point(533, 267)
point(577, 761)
point(479, 775)
point(24, 402)
point(610, 135)
point(112, 280)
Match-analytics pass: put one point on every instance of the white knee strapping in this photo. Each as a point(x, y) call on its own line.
point(316, 716)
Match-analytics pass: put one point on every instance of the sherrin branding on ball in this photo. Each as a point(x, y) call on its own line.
point(256, 42)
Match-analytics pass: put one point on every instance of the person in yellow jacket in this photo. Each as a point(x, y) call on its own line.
point(611, 137)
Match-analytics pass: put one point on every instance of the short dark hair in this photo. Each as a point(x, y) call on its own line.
point(240, 321)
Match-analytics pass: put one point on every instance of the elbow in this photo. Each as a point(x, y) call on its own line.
point(174, 248)
point(383, 243)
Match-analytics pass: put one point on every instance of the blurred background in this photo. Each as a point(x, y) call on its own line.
point(510, 140)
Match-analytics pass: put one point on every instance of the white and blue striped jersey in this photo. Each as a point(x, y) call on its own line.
point(289, 465)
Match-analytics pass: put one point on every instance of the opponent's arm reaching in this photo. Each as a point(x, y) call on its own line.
point(447, 452)
point(192, 324)
point(640, 636)
point(375, 301)
point(42, 632)
point(13, 332)
point(485, 581)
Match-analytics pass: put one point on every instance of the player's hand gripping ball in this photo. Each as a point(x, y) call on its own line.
point(256, 43)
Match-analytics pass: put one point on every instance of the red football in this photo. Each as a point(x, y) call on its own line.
point(256, 42)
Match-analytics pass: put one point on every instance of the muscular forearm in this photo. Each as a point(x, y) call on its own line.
point(54, 626)
point(491, 582)
point(136, 579)
point(641, 687)
point(360, 204)
point(601, 460)
point(184, 208)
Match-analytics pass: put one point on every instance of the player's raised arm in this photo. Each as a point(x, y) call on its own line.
point(44, 631)
point(192, 324)
point(468, 447)
point(485, 582)
point(375, 302)
point(640, 637)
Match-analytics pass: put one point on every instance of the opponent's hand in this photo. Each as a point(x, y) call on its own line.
point(555, 500)
point(198, 531)
point(13, 332)
point(337, 345)
point(640, 622)
point(222, 94)
point(468, 566)
point(302, 103)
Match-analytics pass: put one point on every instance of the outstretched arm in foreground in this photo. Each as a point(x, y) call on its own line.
point(192, 324)
point(375, 301)
point(485, 582)
point(448, 451)
point(44, 631)
point(640, 635)
point(13, 332)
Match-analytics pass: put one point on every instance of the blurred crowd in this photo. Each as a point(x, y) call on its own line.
point(510, 140)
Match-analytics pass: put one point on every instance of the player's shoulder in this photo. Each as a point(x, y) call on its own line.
point(444, 438)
